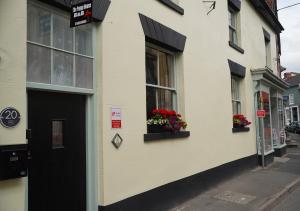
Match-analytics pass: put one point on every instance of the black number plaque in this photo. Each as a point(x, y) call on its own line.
point(9, 117)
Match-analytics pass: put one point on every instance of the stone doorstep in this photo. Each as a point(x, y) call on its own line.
point(281, 159)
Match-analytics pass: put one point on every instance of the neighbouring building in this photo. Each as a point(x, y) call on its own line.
point(75, 100)
point(292, 96)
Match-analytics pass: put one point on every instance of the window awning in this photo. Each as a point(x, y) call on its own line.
point(161, 35)
point(237, 69)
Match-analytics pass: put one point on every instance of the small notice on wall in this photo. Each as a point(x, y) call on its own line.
point(261, 113)
point(116, 118)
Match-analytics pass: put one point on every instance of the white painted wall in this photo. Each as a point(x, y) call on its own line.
point(13, 90)
point(205, 99)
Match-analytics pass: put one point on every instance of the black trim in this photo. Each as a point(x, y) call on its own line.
point(170, 195)
point(235, 4)
point(268, 159)
point(173, 6)
point(13, 146)
point(236, 47)
point(165, 135)
point(237, 69)
point(161, 35)
point(267, 35)
point(100, 7)
point(279, 152)
point(242, 129)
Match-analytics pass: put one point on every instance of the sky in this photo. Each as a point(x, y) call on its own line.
point(290, 37)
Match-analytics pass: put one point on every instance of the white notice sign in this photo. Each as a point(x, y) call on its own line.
point(116, 118)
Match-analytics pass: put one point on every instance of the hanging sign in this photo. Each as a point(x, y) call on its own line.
point(9, 117)
point(261, 113)
point(81, 13)
point(116, 118)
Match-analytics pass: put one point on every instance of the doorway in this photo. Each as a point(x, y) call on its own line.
point(295, 114)
point(57, 169)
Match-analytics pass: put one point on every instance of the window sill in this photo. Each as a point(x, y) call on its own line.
point(242, 129)
point(165, 135)
point(236, 47)
point(173, 6)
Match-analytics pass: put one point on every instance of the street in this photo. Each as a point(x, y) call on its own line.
point(291, 202)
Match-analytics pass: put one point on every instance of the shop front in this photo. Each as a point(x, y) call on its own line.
point(268, 90)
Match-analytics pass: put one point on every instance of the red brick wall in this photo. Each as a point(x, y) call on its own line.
point(271, 3)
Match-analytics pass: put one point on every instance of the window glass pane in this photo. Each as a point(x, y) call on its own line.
point(38, 25)
point(166, 72)
point(62, 68)
point(151, 67)
point(150, 99)
point(62, 33)
point(84, 72)
point(233, 36)
point(165, 99)
point(232, 19)
point(235, 89)
point(236, 107)
point(83, 40)
point(267, 121)
point(57, 133)
point(38, 64)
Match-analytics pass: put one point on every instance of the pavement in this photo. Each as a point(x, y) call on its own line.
point(276, 187)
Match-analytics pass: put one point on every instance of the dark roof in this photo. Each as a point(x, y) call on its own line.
point(264, 10)
point(293, 81)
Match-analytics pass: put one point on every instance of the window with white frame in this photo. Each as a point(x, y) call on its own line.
point(233, 25)
point(235, 95)
point(160, 80)
point(291, 99)
point(56, 53)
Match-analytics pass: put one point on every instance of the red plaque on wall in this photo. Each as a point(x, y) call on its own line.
point(261, 113)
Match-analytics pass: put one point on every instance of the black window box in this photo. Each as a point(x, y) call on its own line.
point(236, 47)
point(173, 6)
point(166, 135)
point(240, 129)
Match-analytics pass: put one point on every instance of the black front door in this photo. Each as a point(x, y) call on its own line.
point(57, 175)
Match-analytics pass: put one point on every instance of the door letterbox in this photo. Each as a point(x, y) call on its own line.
point(13, 161)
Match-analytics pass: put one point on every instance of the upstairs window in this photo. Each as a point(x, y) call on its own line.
point(160, 80)
point(234, 7)
point(291, 99)
point(56, 53)
point(267, 37)
point(233, 37)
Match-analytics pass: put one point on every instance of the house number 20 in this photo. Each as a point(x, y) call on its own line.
point(9, 117)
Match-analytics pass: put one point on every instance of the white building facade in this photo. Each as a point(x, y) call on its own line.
point(136, 56)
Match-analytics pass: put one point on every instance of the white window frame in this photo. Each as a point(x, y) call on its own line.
point(45, 86)
point(238, 101)
point(174, 90)
point(233, 14)
point(291, 99)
